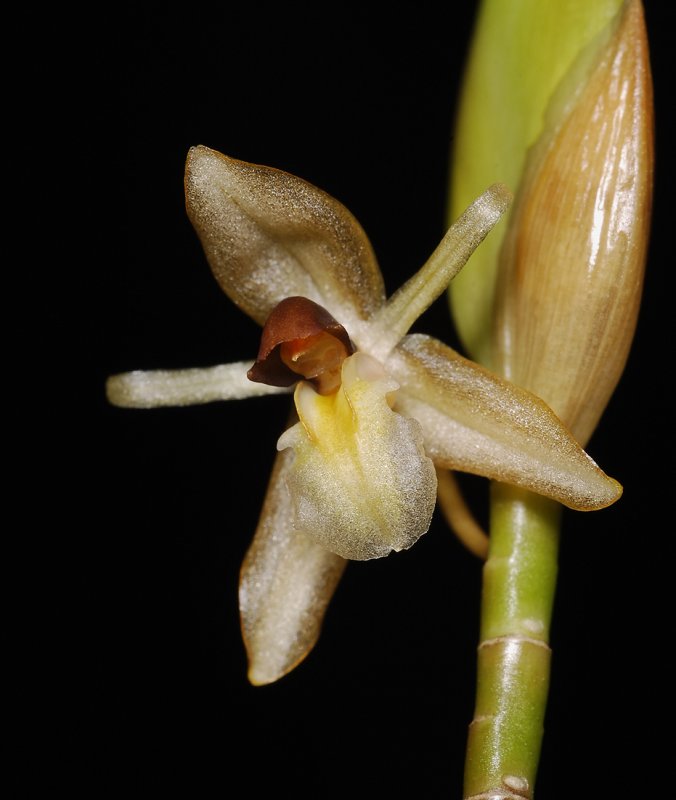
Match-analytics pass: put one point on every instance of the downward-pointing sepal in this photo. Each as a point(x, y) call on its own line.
point(286, 583)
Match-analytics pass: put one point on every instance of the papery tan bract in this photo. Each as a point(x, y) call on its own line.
point(573, 260)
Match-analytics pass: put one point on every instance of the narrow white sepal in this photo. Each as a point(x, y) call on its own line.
point(393, 321)
point(185, 387)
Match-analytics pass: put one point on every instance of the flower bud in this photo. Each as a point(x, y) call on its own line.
point(563, 116)
point(572, 262)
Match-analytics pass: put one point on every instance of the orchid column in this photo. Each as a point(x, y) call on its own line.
point(557, 104)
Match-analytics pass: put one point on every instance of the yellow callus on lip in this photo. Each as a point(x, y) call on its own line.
point(361, 483)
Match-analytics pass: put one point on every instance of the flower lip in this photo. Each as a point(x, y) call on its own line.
point(301, 339)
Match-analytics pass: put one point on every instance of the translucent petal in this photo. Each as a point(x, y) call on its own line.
point(394, 320)
point(184, 387)
point(476, 422)
point(268, 235)
point(361, 482)
point(286, 583)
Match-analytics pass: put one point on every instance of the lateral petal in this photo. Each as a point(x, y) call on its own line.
point(286, 583)
point(268, 235)
point(476, 422)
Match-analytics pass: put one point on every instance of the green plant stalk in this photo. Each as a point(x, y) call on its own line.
point(519, 582)
point(557, 103)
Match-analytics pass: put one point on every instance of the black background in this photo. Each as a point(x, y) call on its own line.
point(160, 506)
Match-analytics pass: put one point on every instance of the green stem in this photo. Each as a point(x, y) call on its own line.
point(503, 748)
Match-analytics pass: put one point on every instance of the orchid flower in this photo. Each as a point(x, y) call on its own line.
point(378, 408)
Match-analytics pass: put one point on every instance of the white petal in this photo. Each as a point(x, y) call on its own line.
point(185, 387)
